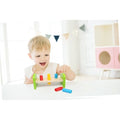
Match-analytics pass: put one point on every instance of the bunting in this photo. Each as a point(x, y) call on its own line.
point(83, 28)
point(66, 35)
point(56, 37)
point(47, 36)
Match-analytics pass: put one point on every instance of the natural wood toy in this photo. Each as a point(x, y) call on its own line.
point(49, 80)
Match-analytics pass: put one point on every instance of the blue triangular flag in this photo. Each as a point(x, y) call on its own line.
point(83, 27)
point(56, 37)
point(47, 36)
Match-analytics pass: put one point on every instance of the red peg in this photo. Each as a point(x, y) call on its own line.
point(41, 77)
point(58, 89)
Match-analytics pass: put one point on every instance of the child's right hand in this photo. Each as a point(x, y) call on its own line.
point(28, 81)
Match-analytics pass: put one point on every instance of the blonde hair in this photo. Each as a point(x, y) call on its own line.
point(39, 43)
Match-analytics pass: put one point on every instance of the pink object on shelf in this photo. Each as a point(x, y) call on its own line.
point(108, 57)
point(117, 57)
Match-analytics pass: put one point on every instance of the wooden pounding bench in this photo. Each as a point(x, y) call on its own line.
point(49, 80)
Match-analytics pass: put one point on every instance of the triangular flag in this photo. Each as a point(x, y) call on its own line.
point(66, 35)
point(83, 28)
point(56, 37)
point(47, 36)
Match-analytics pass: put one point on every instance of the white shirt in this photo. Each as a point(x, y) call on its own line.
point(51, 69)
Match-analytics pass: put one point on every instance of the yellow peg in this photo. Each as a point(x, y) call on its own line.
point(48, 77)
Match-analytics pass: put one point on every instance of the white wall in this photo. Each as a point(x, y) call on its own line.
point(71, 45)
point(79, 48)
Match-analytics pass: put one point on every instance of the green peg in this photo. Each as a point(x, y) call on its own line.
point(62, 75)
point(34, 80)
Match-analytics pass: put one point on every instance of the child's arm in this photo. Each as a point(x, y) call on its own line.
point(28, 75)
point(70, 75)
point(28, 80)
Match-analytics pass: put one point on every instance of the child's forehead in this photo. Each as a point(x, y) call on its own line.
point(41, 51)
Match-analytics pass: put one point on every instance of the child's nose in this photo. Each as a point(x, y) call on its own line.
point(42, 57)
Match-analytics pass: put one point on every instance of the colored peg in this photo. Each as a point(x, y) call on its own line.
point(48, 77)
point(34, 80)
point(41, 77)
point(62, 75)
point(56, 75)
point(58, 89)
point(67, 90)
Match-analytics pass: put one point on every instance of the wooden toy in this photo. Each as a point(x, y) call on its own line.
point(49, 80)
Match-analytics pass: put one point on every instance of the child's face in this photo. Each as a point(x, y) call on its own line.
point(41, 57)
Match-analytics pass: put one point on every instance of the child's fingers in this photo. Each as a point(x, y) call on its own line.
point(64, 68)
point(59, 69)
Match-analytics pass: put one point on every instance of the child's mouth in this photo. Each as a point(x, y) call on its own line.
point(42, 63)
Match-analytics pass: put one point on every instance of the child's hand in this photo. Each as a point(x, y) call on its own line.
point(70, 75)
point(63, 69)
point(28, 81)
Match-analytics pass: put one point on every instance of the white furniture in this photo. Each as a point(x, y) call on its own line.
point(82, 87)
point(105, 73)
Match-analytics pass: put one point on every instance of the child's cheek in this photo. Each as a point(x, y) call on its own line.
point(36, 61)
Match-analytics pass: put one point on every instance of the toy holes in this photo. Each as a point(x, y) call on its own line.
point(104, 57)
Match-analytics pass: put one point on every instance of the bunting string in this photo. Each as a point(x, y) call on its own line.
point(66, 35)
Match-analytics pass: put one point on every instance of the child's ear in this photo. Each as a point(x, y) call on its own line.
point(29, 55)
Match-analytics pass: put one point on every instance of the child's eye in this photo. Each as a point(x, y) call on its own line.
point(46, 54)
point(38, 56)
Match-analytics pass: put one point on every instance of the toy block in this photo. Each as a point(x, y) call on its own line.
point(48, 77)
point(56, 75)
point(41, 77)
point(58, 89)
point(67, 90)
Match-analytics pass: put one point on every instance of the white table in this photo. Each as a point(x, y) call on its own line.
point(81, 88)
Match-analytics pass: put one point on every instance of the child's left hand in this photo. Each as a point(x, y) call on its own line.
point(63, 69)
point(70, 75)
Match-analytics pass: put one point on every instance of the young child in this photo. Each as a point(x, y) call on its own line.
point(39, 51)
